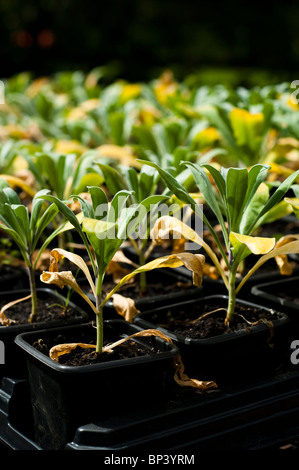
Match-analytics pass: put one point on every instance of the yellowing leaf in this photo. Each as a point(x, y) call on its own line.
point(58, 254)
point(70, 146)
point(125, 307)
point(122, 154)
point(167, 225)
point(293, 201)
point(61, 349)
point(285, 267)
point(193, 262)
point(130, 91)
point(247, 127)
point(3, 318)
point(286, 247)
point(36, 86)
point(81, 111)
point(65, 278)
point(14, 182)
point(257, 245)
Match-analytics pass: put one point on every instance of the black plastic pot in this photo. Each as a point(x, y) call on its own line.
point(282, 294)
point(63, 397)
point(226, 357)
point(14, 362)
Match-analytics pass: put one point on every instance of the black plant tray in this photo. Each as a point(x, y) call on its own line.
point(262, 414)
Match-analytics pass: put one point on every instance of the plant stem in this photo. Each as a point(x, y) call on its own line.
point(99, 316)
point(142, 285)
point(33, 293)
point(231, 297)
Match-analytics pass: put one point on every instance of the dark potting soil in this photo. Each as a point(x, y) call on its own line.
point(191, 324)
point(85, 356)
point(160, 287)
point(48, 310)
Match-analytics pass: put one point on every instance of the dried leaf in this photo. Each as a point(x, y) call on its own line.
point(125, 307)
point(65, 278)
point(193, 262)
point(285, 248)
point(285, 266)
point(115, 266)
point(178, 245)
point(122, 154)
point(61, 349)
point(117, 271)
point(16, 182)
point(58, 254)
point(257, 245)
point(3, 318)
point(166, 226)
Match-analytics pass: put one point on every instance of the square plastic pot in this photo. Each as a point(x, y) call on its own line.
point(282, 295)
point(13, 364)
point(226, 357)
point(65, 397)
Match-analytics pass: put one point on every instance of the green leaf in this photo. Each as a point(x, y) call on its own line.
point(36, 208)
point(278, 194)
point(117, 204)
point(205, 187)
point(64, 209)
point(251, 213)
point(89, 179)
point(99, 200)
point(112, 177)
point(236, 189)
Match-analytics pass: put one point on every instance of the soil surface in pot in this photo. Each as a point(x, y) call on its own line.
point(205, 321)
point(48, 310)
point(85, 356)
point(160, 287)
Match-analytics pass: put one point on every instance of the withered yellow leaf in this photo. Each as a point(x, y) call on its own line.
point(193, 262)
point(58, 254)
point(65, 278)
point(125, 307)
point(61, 349)
point(167, 225)
point(257, 245)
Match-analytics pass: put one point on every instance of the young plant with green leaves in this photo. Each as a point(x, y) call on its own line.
point(103, 229)
point(241, 201)
point(142, 184)
point(26, 229)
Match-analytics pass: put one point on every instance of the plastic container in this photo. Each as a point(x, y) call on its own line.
point(63, 397)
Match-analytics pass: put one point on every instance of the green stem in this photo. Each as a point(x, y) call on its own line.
point(33, 293)
point(99, 317)
point(90, 255)
point(143, 283)
point(231, 297)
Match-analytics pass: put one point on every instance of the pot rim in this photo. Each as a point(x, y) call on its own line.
point(39, 325)
point(21, 341)
point(258, 292)
point(213, 339)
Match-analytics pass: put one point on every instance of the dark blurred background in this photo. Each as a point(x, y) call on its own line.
point(222, 41)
